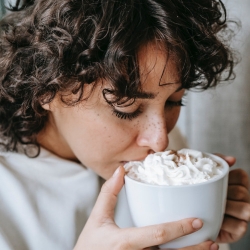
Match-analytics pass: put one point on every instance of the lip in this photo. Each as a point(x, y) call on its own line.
point(124, 162)
point(134, 159)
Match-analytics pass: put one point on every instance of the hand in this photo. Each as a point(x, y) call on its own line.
point(237, 213)
point(101, 232)
point(203, 246)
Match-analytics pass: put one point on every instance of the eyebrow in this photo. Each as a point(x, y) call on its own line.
point(145, 95)
point(151, 95)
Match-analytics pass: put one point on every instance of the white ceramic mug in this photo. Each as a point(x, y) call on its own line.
point(155, 204)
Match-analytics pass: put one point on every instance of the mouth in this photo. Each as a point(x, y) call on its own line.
point(123, 162)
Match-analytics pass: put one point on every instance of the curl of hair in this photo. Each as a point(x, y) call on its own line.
point(58, 46)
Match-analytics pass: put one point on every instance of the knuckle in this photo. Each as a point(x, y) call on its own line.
point(244, 176)
point(240, 193)
point(159, 234)
point(123, 245)
point(242, 227)
point(246, 212)
point(182, 229)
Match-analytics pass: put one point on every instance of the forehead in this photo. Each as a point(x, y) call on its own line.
point(158, 68)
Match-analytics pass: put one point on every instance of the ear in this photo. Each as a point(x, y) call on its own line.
point(47, 106)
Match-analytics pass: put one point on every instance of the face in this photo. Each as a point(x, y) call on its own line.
point(103, 137)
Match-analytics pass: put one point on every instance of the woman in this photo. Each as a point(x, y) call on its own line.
point(87, 86)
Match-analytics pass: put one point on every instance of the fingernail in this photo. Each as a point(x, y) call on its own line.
point(230, 158)
point(116, 172)
point(197, 224)
point(214, 246)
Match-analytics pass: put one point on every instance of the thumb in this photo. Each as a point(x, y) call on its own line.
point(107, 199)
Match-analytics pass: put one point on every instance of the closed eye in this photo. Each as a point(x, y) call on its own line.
point(174, 103)
point(125, 115)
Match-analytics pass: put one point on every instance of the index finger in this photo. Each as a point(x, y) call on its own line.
point(140, 238)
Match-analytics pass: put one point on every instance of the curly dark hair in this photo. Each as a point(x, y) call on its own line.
point(53, 46)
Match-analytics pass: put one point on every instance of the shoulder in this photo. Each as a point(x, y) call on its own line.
point(12, 159)
point(5, 159)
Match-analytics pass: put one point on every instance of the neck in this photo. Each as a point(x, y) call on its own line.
point(51, 139)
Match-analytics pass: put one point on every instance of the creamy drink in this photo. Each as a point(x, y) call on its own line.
point(173, 185)
point(171, 167)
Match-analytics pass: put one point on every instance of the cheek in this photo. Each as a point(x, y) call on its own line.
point(172, 118)
point(98, 138)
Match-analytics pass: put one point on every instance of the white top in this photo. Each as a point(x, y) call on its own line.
point(45, 201)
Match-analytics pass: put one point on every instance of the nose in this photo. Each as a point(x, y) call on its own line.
point(153, 134)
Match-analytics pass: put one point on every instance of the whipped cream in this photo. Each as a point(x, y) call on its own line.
point(182, 167)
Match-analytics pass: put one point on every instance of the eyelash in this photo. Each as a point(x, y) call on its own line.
point(174, 103)
point(131, 116)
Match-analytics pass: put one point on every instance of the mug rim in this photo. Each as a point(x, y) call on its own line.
point(219, 177)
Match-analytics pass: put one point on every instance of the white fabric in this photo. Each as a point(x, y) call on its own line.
point(45, 201)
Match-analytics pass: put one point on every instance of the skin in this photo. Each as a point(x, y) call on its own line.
point(91, 133)
point(83, 130)
point(102, 225)
point(237, 214)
